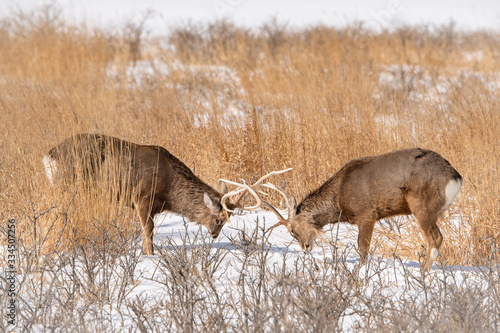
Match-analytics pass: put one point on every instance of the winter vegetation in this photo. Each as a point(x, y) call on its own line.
point(236, 103)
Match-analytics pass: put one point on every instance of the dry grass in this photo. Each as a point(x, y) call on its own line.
point(309, 99)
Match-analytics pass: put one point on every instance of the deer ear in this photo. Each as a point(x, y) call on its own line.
point(212, 203)
point(222, 187)
point(293, 206)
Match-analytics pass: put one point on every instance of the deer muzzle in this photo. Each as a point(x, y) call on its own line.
point(215, 231)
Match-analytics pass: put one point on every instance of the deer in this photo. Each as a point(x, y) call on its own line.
point(409, 181)
point(148, 177)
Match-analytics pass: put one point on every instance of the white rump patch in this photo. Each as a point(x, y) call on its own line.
point(50, 168)
point(452, 190)
point(434, 254)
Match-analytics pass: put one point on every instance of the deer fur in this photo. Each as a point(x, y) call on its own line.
point(148, 178)
point(409, 181)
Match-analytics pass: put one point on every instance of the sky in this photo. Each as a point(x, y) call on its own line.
point(468, 15)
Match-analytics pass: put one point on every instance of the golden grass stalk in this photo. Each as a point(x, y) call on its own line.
point(235, 103)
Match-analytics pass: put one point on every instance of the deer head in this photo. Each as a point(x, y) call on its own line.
point(216, 216)
point(298, 226)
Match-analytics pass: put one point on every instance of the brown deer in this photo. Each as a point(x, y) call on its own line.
point(148, 178)
point(409, 181)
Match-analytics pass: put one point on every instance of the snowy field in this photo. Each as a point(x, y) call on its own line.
point(248, 279)
point(468, 15)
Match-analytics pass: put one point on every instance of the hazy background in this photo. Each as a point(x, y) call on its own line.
point(481, 14)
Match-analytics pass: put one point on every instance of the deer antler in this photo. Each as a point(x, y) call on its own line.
point(243, 187)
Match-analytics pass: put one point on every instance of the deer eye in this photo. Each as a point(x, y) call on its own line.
point(293, 233)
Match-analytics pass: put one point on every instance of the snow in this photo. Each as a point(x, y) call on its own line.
point(399, 278)
point(231, 98)
point(229, 95)
point(376, 15)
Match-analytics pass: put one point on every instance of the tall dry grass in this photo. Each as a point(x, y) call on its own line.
point(310, 99)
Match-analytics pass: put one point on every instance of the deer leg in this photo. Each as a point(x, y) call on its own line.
point(147, 223)
point(433, 237)
point(364, 237)
point(427, 219)
point(434, 241)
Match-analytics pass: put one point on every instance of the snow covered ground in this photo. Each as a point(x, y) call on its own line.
point(225, 93)
point(467, 14)
point(248, 279)
point(247, 269)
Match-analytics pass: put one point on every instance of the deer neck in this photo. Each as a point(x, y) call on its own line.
point(321, 206)
point(187, 198)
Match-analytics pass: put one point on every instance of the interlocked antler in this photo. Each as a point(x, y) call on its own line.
point(243, 187)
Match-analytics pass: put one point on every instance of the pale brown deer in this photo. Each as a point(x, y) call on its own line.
point(409, 181)
point(148, 178)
